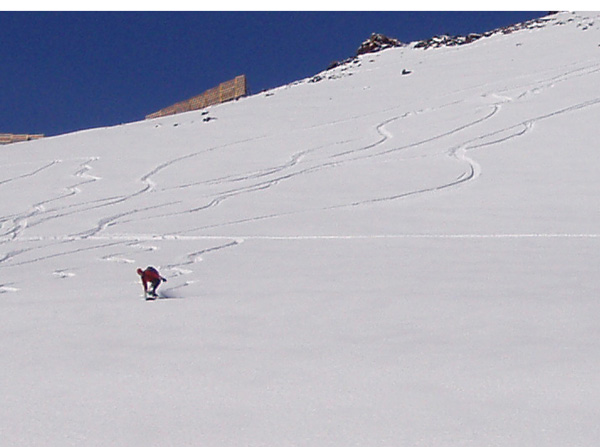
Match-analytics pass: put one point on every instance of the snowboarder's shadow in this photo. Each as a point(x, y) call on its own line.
point(168, 294)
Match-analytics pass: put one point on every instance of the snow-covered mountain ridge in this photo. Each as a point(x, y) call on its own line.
point(379, 42)
point(446, 40)
point(374, 259)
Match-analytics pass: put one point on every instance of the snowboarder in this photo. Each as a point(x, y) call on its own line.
point(150, 275)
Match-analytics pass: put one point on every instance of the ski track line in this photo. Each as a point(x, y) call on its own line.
point(151, 184)
point(296, 158)
point(380, 129)
point(459, 153)
point(474, 169)
point(472, 172)
point(21, 221)
point(106, 222)
point(493, 112)
point(147, 177)
point(238, 239)
point(30, 174)
point(179, 269)
point(4, 264)
point(385, 136)
point(251, 188)
point(18, 222)
point(82, 172)
point(235, 240)
point(269, 183)
point(562, 77)
point(8, 256)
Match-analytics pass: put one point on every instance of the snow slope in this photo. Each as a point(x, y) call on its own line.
point(374, 259)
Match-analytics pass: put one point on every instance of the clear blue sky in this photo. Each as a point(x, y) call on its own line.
point(65, 71)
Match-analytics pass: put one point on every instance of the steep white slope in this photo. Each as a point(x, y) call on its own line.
point(370, 259)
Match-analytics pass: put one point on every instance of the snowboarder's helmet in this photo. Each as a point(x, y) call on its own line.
point(140, 272)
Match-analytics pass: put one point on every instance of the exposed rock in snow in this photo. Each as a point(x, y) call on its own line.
point(449, 41)
point(378, 42)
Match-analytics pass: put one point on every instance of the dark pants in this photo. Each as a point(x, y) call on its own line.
point(155, 284)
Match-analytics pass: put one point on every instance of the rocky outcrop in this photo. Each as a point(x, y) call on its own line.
point(450, 41)
point(378, 42)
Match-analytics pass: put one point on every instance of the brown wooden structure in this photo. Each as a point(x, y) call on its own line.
point(224, 92)
point(7, 138)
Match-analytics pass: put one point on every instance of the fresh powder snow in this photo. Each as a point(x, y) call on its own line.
point(403, 250)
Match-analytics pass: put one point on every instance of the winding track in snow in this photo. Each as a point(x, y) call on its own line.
point(369, 151)
point(459, 153)
point(385, 135)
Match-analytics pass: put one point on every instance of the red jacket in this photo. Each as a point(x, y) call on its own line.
point(150, 275)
